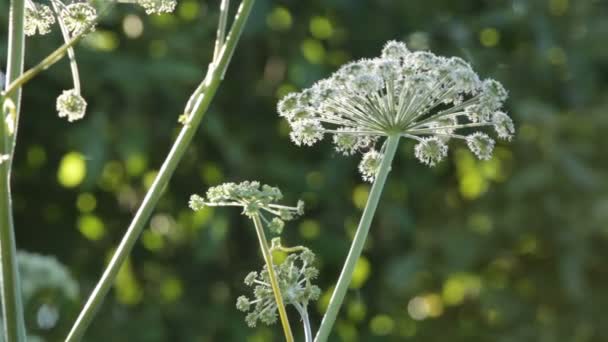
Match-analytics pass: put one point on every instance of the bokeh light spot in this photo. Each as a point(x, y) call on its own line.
point(310, 229)
point(458, 286)
point(72, 170)
point(188, 10)
point(360, 194)
point(101, 40)
point(489, 37)
point(321, 28)
point(132, 26)
point(36, 156)
point(171, 289)
point(361, 273)
point(91, 227)
point(86, 202)
point(279, 19)
point(313, 51)
point(382, 325)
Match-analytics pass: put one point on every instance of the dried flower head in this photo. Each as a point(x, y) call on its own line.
point(295, 276)
point(157, 6)
point(415, 95)
point(254, 198)
point(72, 105)
point(78, 16)
point(38, 18)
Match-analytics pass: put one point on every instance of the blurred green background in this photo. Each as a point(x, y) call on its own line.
point(513, 249)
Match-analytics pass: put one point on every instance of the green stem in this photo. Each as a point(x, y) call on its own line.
point(359, 241)
point(305, 321)
point(276, 289)
point(12, 308)
point(162, 179)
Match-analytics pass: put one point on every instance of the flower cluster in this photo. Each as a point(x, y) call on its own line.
point(295, 275)
point(416, 95)
point(157, 6)
point(72, 105)
point(79, 17)
point(38, 18)
point(254, 198)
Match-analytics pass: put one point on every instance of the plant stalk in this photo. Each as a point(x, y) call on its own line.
point(162, 179)
point(274, 283)
point(359, 241)
point(305, 321)
point(12, 307)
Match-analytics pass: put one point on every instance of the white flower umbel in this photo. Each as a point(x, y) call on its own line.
point(295, 275)
point(71, 104)
point(258, 201)
point(157, 6)
point(416, 95)
point(78, 16)
point(38, 18)
point(401, 94)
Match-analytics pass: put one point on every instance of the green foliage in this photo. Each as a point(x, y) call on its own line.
point(509, 249)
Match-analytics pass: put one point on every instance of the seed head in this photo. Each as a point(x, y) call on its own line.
point(72, 105)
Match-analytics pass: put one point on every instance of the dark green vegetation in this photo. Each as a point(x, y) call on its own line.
point(512, 249)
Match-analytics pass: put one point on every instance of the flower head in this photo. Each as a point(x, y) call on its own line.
point(72, 105)
point(370, 163)
point(295, 276)
point(416, 95)
point(38, 18)
point(255, 199)
point(158, 6)
point(78, 16)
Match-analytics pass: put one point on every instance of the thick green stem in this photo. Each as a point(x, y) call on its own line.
point(162, 179)
point(12, 308)
point(274, 283)
point(359, 241)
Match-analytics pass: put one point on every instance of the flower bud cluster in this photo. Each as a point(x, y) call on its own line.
point(71, 105)
point(295, 275)
point(255, 199)
point(416, 95)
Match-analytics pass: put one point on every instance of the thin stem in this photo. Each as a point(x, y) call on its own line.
point(66, 37)
point(274, 283)
point(12, 308)
point(162, 179)
point(221, 28)
point(305, 321)
point(359, 241)
point(219, 43)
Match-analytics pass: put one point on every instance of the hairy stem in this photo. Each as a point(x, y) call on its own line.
point(12, 308)
point(359, 241)
point(162, 179)
point(274, 283)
